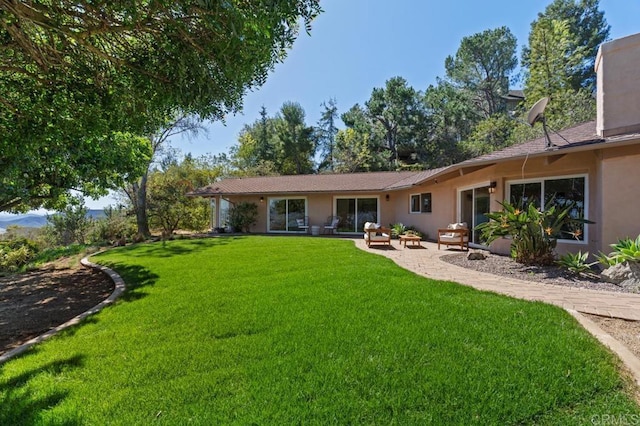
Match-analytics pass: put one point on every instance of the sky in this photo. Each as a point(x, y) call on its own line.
point(357, 45)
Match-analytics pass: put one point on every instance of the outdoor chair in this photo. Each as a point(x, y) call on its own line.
point(455, 234)
point(303, 224)
point(331, 225)
point(376, 234)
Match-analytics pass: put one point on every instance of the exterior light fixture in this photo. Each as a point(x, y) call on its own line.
point(386, 197)
point(492, 187)
point(262, 199)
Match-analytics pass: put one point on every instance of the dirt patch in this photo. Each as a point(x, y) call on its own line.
point(35, 302)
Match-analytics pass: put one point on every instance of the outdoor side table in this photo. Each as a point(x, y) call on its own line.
point(413, 238)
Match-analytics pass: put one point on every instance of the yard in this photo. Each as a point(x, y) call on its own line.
point(296, 330)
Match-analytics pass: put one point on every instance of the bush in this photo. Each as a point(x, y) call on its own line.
point(16, 253)
point(115, 226)
point(625, 250)
point(533, 232)
point(71, 224)
point(243, 216)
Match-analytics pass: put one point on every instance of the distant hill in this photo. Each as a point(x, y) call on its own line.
point(32, 220)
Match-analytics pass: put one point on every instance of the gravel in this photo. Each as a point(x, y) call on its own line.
point(507, 267)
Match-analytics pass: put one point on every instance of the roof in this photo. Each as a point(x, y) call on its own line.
point(514, 95)
point(576, 138)
point(581, 134)
point(346, 182)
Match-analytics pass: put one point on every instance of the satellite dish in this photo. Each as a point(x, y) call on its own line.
point(536, 112)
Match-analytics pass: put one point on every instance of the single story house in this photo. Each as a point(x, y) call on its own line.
point(594, 164)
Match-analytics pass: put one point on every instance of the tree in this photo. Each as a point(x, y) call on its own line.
point(482, 66)
point(397, 108)
point(136, 190)
point(353, 152)
point(360, 147)
point(589, 29)
point(73, 72)
point(168, 205)
point(552, 59)
point(255, 151)
point(452, 117)
point(296, 143)
point(327, 131)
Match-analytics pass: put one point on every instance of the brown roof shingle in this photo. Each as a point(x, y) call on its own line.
point(348, 182)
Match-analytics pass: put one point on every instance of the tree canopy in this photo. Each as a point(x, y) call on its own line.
point(72, 73)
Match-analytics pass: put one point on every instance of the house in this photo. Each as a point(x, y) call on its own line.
point(594, 164)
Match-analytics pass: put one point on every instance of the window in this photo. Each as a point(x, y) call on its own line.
point(284, 212)
point(555, 191)
point(354, 212)
point(420, 203)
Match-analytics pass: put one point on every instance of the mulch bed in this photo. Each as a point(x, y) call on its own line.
point(35, 302)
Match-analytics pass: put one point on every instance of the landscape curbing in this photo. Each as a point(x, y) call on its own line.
point(120, 287)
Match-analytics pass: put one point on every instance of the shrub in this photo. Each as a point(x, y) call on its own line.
point(70, 225)
point(16, 253)
point(397, 229)
point(533, 232)
point(114, 226)
point(243, 216)
point(625, 250)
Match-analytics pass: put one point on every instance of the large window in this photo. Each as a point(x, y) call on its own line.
point(420, 203)
point(560, 192)
point(354, 212)
point(284, 212)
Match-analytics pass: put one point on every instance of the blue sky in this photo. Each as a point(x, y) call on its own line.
point(356, 45)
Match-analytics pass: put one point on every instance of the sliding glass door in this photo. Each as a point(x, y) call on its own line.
point(474, 205)
point(354, 212)
point(284, 212)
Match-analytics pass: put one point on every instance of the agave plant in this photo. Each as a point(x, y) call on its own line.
point(625, 250)
point(533, 232)
point(577, 263)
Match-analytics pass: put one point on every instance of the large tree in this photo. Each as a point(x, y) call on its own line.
point(296, 141)
point(398, 109)
point(136, 189)
point(326, 134)
point(588, 29)
point(71, 73)
point(482, 66)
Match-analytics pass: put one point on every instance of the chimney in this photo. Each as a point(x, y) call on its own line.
point(618, 94)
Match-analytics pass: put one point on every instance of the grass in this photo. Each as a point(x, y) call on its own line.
point(295, 330)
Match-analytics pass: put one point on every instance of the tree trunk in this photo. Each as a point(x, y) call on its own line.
point(141, 208)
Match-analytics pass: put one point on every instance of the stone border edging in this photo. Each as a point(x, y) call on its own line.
point(627, 357)
point(119, 289)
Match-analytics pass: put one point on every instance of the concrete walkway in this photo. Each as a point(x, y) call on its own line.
point(425, 261)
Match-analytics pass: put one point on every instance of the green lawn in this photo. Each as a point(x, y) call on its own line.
point(296, 330)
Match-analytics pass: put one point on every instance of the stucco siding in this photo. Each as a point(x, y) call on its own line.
point(620, 196)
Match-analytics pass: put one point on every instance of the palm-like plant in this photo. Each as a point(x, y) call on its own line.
point(534, 232)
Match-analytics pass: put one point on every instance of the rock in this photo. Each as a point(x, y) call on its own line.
point(476, 255)
point(626, 275)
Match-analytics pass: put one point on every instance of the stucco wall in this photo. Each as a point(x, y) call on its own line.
point(620, 196)
point(445, 193)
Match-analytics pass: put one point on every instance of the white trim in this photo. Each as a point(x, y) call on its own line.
point(541, 180)
point(306, 210)
point(356, 198)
